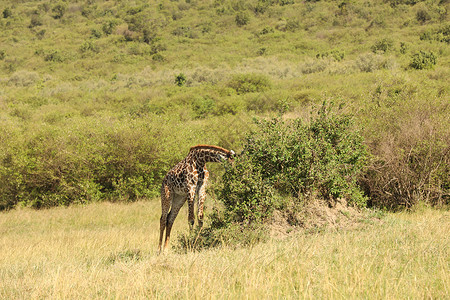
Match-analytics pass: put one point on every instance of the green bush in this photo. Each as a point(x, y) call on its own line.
point(284, 163)
point(285, 2)
point(266, 30)
point(423, 60)
point(89, 46)
point(403, 47)
point(383, 45)
point(180, 79)
point(242, 18)
point(324, 157)
point(95, 33)
point(336, 54)
point(247, 196)
point(395, 3)
point(288, 25)
point(249, 83)
point(55, 56)
point(292, 25)
point(59, 10)
point(109, 26)
point(423, 15)
point(441, 34)
point(222, 234)
point(36, 20)
point(7, 13)
point(53, 165)
point(203, 106)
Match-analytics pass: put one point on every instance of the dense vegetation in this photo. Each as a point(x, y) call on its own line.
point(285, 166)
point(99, 99)
point(322, 159)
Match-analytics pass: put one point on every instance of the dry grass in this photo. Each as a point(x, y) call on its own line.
point(109, 251)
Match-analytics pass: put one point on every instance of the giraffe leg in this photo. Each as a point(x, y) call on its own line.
point(201, 198)
point(166, 199)
point(190, 199)
point(177, 203)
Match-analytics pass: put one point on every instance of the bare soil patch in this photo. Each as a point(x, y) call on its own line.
point(318, 215)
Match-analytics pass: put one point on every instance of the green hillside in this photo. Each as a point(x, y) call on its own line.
point(98, 99)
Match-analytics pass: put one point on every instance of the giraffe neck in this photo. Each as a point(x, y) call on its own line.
point(205, 153)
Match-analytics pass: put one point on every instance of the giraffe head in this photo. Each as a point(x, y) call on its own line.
point(209, 153)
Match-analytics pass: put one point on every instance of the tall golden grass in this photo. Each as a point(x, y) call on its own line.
point(105, 251)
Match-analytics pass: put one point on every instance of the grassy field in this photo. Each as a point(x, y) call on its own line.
point(104, 251)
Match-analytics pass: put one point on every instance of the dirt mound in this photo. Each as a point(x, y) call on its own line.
point(317, 215)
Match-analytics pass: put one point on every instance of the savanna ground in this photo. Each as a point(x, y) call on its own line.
point(104, 251)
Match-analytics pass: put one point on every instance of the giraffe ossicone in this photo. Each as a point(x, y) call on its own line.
point(183, 182)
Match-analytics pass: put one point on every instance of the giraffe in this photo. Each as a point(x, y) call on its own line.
point(183, 182)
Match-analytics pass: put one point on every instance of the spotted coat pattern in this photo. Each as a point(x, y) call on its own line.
point(183, 182)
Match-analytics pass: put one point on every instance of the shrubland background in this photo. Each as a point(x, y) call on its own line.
point(99, 99)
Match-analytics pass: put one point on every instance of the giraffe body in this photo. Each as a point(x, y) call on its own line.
point(183, 182)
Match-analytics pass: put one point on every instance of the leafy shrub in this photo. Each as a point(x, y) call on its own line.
point(247, 196)
point(50, 166)
point(288, 25)
point(88, 11)
point(441, 34)
point(423, 15)
point(323, 157)
point(383, 45)
point(149, 36)
point(202, 107)
point(59, 10)
point(336, 54)
point(180, 79)
point(35, 21)
point(249, 83)
point(231, 105)
point(221, 233)
point(285, 2)
point(260, 7)
point(292, 25)
point(7, 13)
point(266, 30)
point(89, 46)
point(242, 18)
point(95, 33)
point(185, 31)
point(395, 3)
point(55, 56)
point(403, 47)
point(423, 60)
point(282, 163)
point(109, 26)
